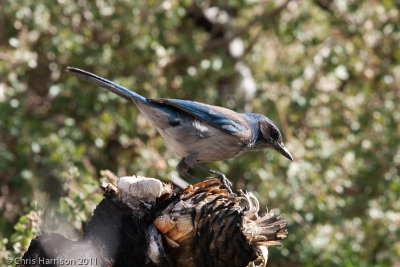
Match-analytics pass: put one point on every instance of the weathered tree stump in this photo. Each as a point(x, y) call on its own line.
point(143, 222)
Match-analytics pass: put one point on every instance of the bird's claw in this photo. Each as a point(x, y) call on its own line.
point(225, 182)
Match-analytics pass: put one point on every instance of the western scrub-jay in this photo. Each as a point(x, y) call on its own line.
point(199, 132)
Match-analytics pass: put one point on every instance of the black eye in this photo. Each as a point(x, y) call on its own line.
point(274, 134)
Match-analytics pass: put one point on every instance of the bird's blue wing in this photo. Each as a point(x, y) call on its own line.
point(221, 118)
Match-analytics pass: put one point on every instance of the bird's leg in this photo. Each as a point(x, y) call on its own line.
point(183, 168)
point(190, 162)
point(225, 181)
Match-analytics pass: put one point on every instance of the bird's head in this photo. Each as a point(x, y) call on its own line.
point(267, 135)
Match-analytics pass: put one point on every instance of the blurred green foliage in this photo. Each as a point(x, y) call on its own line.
point(328, 72)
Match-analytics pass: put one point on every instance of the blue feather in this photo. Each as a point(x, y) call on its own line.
point(209, 114)
point(116, 88)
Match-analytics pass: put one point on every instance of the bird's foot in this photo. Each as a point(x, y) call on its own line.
point(219, 175)
point(188, 162)
point(224, 181)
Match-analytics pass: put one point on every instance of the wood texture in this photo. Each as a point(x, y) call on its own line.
point(144, 222)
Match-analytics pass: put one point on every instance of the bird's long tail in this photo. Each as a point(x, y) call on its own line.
point(109, 85)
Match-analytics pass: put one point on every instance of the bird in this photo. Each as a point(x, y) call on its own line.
point(198, 132)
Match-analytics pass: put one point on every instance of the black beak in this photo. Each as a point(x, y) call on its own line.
point(283, 150)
